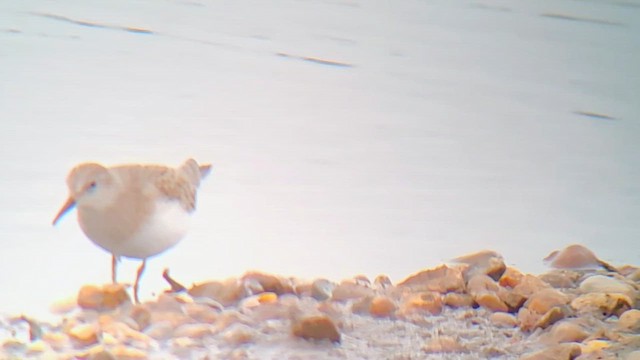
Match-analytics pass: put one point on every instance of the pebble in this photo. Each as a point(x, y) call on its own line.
point(107, 297)
point(546, 299)
point(456, 300)
point(429, 302)
point(485, 262)
point(567, 332)
point(238, 334)
point(443, 344)
point(629, 321)
point(573, 257)
point(322, 289)
point(503, 319)
point(491, 302)
point(84, 334)
point(441, 279)
point(382, 306)
point(606, 284)
point(603, 304)
point(316, 328)
point(556, 352)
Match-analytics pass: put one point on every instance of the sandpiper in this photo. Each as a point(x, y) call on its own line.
point(135, 211)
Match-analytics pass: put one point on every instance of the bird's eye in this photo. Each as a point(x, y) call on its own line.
point(92, 186)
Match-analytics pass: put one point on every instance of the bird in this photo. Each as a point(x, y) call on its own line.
point(135, 210)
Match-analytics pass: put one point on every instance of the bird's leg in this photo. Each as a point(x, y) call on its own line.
point(135, 286)
point(114, 268)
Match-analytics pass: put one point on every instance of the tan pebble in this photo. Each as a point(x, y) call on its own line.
point(64, 306)
point(122, 352)
point(57, 341)
point(561, 279)
point(511, 298)
point(84, 334)
point(634, 355)
point(456, 300)
point(269, 283)
point(382, 282)
point(107, 297)
point(228, 318)
point(562, 351)
point(529, 285)
point(322, 289)
point(573, 257)
point(201, 312)
point(595, 346)
point(443, 344)
point(316, 328)
point(549, 318)
point(362, 280)
point(141, 315)
point(503, 319)
point(192, 330)
point(430, 302)
point(226, 293)
point(527, 319)
point(510, 278)
point(545, 299)
point(124, 333)
point(160, 330)
point(485, 262)
point(603, 304)
point(442, 279)
point(480, 284)
point(629, 320)
point(605, 284)
point(102, 355)
point(108, 339)
point(567, 332)
point(238, 334)
point(90, 297)
point(362, 306)
point(491, 301)
point(348, 290)
point(184, 342)
point(382, 306)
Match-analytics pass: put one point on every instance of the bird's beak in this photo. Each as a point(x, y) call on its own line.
point(70, 204)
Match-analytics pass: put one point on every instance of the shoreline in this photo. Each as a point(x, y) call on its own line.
point(476, 307)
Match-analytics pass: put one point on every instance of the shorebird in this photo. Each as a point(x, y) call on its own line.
point(134, 211)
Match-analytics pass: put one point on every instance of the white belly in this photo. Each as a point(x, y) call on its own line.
point(165, 228)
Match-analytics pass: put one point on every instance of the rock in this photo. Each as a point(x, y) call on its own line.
point(108, 297)
point(161, 330)
point(382, 282)
point(480, 284)
point(491, 302)
point(546, 299)
point(141, 315)
point(322, 289)
point(238, 334)
point(269, 283)
point(605, 284)
point(529, 285)
point(84, 334)
point(318, 327)
point(348, 290)
point(549, 318)
point(102, 355)
point(629, 321)
point(382, 306)
point(429, 302)
point(201, 312)
point(561, 279)
point(485, 262)
point(362, 280)
point(557, 352)
point(443, 344)
point(194, 331)
point(122, 352)
point(441, 279)
point(602, 304)
point(503, 319)
point(456, 300)
point(512, 299)
point(226, 293)
point(595, 346)
point(56, 340)
point(567, 332)
point(510, 278)
point(573, 257)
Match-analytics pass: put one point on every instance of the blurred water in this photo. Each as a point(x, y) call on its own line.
point(453, 127)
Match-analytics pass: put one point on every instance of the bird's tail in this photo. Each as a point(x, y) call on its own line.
point(195, 172)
